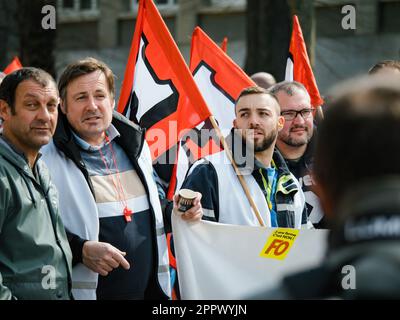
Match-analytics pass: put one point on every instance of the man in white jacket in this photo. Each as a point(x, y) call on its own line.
point(274, 189)
point(101, 165)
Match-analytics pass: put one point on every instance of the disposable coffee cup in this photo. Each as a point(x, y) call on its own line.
point(186, 198)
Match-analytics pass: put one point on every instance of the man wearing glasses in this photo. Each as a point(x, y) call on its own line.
point(295, 141)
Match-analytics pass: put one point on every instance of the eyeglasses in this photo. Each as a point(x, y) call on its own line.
point(292, 114)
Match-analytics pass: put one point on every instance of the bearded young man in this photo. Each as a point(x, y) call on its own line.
point(276, 192)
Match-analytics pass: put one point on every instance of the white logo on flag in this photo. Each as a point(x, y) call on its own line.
point(148, 92)
point(222, 108)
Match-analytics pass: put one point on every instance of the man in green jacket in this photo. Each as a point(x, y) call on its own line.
point(35, 258)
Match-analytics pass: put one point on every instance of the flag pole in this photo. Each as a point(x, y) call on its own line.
point(239, 175)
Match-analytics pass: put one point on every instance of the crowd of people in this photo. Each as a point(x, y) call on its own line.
point(82, 215)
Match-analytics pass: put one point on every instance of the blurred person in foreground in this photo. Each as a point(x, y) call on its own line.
point(358, 173)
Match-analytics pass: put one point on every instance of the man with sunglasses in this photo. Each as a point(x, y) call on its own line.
point(295, 140)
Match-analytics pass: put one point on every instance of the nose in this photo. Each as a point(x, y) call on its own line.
point(253, 121)
point(298, 119)
point(43, 114)
point(92, 104)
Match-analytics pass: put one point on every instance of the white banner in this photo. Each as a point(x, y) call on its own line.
point(221, 261)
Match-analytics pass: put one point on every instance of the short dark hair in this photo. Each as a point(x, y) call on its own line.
point(252, 90)
point(8, 86)
point(394, 64)
point(255, 90)
point(359, 138)
point(289, 87)
point(82, 67)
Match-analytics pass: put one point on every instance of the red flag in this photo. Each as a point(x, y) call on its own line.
point(15, 64)
point(220, 81)
point(298, 66)
point(218, 77)
point(158, 91)
point(224, 45)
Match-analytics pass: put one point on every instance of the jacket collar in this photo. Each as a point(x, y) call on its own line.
point(63, 140)
point(8, 151)
point(131, 138)
point(16, 157)
point(37, 175)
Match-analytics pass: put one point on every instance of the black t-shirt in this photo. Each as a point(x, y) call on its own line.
point(301, 169)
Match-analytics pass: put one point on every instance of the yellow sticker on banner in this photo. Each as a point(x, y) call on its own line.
point(279, 243)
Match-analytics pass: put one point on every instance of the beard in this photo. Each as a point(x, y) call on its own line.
point(267, 142)
point(296, 141)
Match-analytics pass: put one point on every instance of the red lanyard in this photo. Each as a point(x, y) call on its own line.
point(117, 185)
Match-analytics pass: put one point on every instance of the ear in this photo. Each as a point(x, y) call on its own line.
point(113, 104)
point(234, 124)
point(62, 107)
point(281, 123)
point(5, 110)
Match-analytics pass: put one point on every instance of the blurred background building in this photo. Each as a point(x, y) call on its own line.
point(104, 29)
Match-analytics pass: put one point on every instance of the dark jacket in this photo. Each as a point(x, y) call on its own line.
point(33, 243)
point(302, 170)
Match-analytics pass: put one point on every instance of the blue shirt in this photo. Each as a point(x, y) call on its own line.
point(268, 184)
